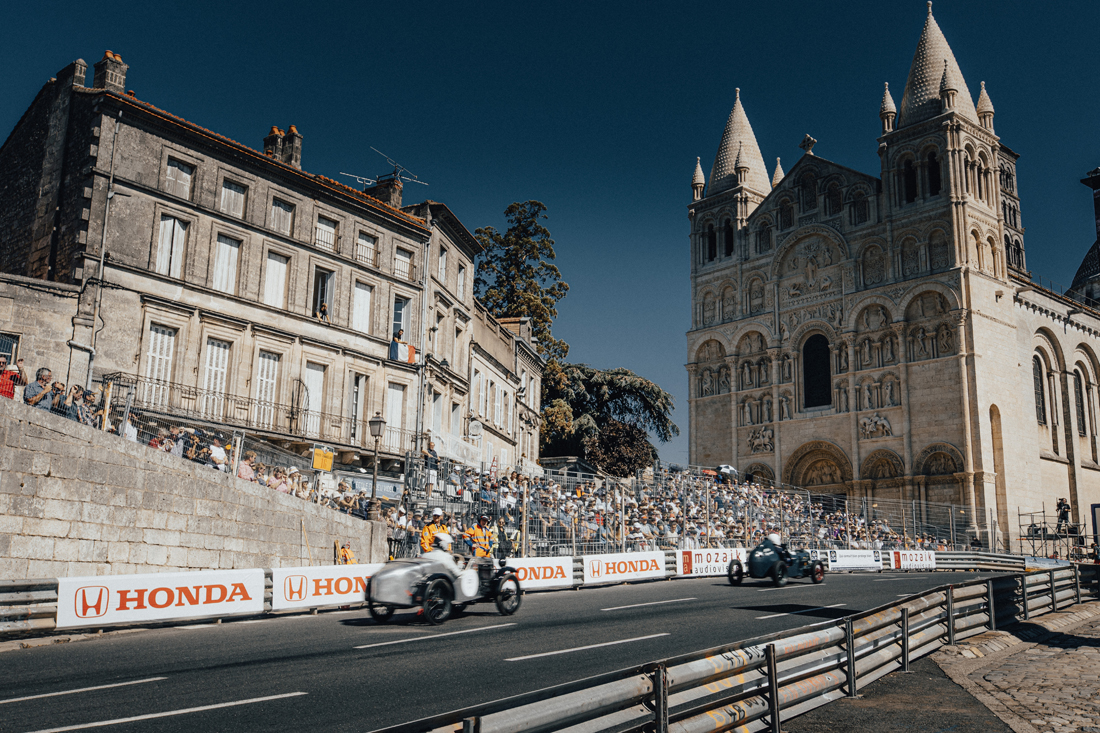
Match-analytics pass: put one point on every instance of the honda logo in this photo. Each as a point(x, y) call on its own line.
point(294, 588)
point(91, 601)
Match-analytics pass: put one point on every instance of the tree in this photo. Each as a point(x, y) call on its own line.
point(515, 277)
point(619, 449)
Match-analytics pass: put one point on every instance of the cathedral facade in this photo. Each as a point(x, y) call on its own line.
point(880, 336)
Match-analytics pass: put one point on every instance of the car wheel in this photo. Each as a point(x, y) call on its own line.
point(508, 594)
point(380, 612)
point(779, 573)
point(735, 572)
point(817, 574)
point(438, 597)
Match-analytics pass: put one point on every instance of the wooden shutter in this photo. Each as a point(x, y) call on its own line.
point(225, 264)
point(267, 380)
point(217, 367)
point(158, 365)
point(275, 280)
point(360, 317)
point(233, 198)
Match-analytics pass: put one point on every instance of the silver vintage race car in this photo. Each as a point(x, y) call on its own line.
point(429, 584)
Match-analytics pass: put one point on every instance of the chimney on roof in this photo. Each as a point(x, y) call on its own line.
point(110, 73)
point(273, 143)
point(387, 189)
point(292, 148)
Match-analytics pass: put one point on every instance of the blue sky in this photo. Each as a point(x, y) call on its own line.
point(596, 109)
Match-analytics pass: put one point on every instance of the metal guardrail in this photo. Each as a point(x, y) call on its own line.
point(759, 682)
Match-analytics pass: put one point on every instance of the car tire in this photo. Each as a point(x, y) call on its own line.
point(817, 572)
point(508, 594)
point(735, 573)
point(779, 574)
point(438, 599)
point(380, 612)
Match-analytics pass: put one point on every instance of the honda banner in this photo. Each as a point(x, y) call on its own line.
point(623, 566)
point(707, 562)
point(104, 600)
point(912, 559)
point(316, 586)
point(542, 572)
point(849, 559)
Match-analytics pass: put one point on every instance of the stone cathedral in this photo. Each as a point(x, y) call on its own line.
point(880, 336)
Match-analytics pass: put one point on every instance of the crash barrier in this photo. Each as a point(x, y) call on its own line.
point(760, 682)
point(111, 600)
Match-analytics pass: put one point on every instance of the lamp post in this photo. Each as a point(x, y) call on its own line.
point(377, 425)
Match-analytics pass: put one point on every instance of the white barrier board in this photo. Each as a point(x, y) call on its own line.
point(104, 600)
point(850, 559)
point(325, 585)
point(623, 566)
point(542, 572)
point(912, 559)
point(699, 563)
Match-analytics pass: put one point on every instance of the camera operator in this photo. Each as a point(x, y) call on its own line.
point(1063, 516)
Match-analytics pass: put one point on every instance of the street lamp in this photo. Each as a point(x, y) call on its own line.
point(377, 425)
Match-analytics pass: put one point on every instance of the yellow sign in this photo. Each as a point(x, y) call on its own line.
point(322, 458)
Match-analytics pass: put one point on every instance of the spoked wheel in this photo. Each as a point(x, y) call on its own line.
point(380, 612)
point(437, 601)
point(817, 575)
point(779, 573)
point(508, 594)
point(735, 572)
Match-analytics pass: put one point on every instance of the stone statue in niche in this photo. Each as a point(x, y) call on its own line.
point(865, 347)
point(827, 255)
point(939, 464)
point(875, 426)
point(746, 375)
point(821, 472)
point(888, 388)
point(888, 349)
point(843, 399)
point(767, 410)
point(838, 317)
point(786, 367)
point(843, 358)
point(920, 337)
point(784, 408)
point(724, 381)
point(762, 441)
point(811, 270)
point(874, 318)
point(708, 384)
point(764, 371)
point(784, 332)
point(944, 341)
point(868, 397)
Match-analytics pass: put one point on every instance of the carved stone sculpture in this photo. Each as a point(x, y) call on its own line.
point(875, 426)
point(708, 383)
point(762, 440)
point(724, 381)
point(784, 408)
point(868, 398)
point(888, 388)
point(945, 342)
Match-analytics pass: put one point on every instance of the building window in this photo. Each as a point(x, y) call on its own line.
point(437, 413)
point(217, 370)
point(402, 264)
point(460, 288)
point(313, 378)
point(225, 264)
point(909, 182)
point(712, 244)
point(179, 178)
point(834, 200)
point(483, 397)
point(282, 216)
point(158, 365)
point(456, 419)
point(786, 215)
point(727, 238)
point(325, 237)
point(1079, 398)
point(360, 313)
point(808, 191)
point(395, 414)
point(443, 264)
point(267, 381)
point(1040, 390)
point(358, 397)
point(275, 280)
point(816, 372)
point(233, 199)
point(934, 181)
point(508, 399)
point(400, 314)
point(9, 347)
point(366, 248)
point(763, 239)
point(475, 392)
point(323, 285)
point(173, 239)
point(858, 210)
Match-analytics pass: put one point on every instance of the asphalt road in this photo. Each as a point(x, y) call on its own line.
point(341, 671)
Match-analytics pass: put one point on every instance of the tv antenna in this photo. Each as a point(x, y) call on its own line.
point(399, 171)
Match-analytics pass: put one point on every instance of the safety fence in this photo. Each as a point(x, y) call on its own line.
point(757, 683)
point(34, 606)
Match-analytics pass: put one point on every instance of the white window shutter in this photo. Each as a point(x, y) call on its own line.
point(361, 308)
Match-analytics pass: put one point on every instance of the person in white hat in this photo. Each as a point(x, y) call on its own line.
point(431, 530)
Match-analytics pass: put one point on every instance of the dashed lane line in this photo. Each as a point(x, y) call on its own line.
point(82, 689)
point(651, 603)
point(434, 636)
point(807, 610)
point(582, 648)
point(169, 713)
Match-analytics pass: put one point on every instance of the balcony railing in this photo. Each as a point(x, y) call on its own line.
point(291, 421)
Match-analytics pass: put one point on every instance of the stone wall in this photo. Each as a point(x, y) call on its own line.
point(76, 501)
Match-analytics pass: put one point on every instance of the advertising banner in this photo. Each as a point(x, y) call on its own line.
point(325, 585)
point(912, 559)
point(849, 559)
point(699, 563)
point(623, 566)
point(103, 600)
point(543, 572)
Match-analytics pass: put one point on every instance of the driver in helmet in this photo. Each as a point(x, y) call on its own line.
point(441, 553)
point(479, 538)
point(776, 543)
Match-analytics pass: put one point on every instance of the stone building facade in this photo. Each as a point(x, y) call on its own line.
point(229, 283)
point(880, 336)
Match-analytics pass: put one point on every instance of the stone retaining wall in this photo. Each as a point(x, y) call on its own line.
point(77, 501)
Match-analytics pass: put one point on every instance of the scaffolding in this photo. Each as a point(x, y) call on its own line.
point(1051, 535)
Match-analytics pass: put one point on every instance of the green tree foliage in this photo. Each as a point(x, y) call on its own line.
point(619, 449)
point(515, 276)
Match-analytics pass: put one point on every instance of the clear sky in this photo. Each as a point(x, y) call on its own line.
point(596, 109)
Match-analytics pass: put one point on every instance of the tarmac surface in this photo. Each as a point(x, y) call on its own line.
point(341, 671)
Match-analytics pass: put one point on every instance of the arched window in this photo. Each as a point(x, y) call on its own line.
point(712, 244)
point(934, 182)
point(808, 192)
point(786, 214)
point(763, 239)
point(968, 170)
point(909, 182)
point(858, 211)
point(980, 175)
point(817, 374)
point(834, 200)
point(1079, 398)
point(727, 237)
point(1040, 390)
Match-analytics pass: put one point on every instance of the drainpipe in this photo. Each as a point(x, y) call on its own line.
point(422, 369)
point(102, 255)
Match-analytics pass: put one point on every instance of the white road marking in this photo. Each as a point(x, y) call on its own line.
point(819, 608)
point(434, 636)
point(197, 626)
point(582, 648)
point(184, 711)
point(886, 580)
point(784, 587)
point(82, 689)
point(651, 603)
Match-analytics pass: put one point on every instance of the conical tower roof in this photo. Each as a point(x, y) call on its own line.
point(921, 100)
point(738, 135)
point(697, 179)
point(985, 104)
point(778, 173)
point(887, 102)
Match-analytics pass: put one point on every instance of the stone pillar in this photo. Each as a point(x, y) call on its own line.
point(968, 430)
point(693, 434)
point(776, 374)
point(849, 342)
point(903, 387)
point(966, 487)
point(735, 421)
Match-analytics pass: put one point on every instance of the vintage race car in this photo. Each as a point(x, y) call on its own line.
point(427, 583)
point(766, 560)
